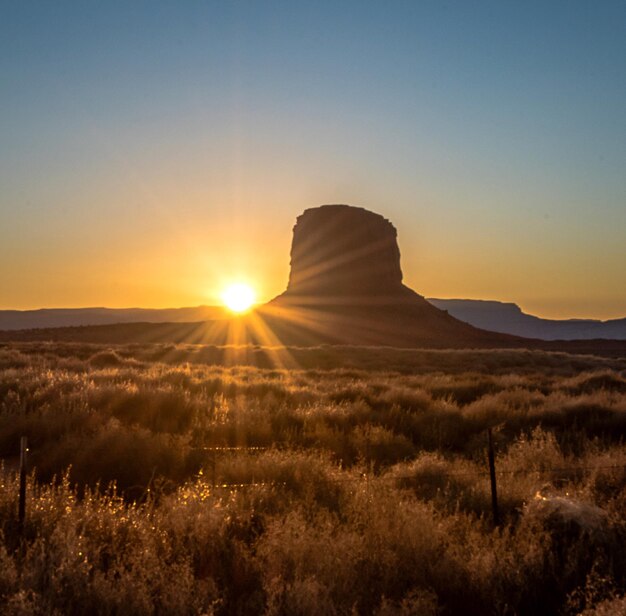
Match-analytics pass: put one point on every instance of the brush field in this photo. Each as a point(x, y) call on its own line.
point(174, 479)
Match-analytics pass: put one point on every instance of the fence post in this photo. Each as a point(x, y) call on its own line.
point(21, 512)
point(213, 464)
point(492, 476)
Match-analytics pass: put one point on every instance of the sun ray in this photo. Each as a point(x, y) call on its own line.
point(278, 354)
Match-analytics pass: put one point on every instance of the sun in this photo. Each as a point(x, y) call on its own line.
point(238, 297)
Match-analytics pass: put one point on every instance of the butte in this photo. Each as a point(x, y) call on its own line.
point(345, 287)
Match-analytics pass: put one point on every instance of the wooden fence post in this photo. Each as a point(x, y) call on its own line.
point(213, 464)
point(21, 512)
point(492, 476)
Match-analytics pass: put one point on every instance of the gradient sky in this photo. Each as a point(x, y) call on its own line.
point(152, 152)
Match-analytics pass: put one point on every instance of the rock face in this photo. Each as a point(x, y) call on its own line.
point(344, 251)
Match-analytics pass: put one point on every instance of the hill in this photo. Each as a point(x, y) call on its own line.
point(74, 317)
point(508, 318)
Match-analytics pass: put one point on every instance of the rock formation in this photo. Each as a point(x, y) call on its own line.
point(345, 286)
point(339, 250)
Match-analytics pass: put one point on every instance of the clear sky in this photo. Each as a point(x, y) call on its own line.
point(151, 152)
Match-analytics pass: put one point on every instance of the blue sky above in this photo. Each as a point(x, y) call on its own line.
point(153, 151)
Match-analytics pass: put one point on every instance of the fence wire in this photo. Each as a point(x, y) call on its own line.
point(415, 477)
point(364, 477)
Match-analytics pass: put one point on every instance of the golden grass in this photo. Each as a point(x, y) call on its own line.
point(369, 491)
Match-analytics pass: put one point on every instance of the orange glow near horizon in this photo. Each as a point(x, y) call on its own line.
point(132, 268)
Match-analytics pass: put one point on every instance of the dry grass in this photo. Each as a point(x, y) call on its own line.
point(374, 497)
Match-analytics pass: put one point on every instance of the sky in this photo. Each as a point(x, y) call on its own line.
point(153, 152)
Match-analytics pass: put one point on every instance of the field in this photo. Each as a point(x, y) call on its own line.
point(173, 479)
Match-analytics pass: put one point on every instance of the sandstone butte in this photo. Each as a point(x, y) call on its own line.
point(345, 286)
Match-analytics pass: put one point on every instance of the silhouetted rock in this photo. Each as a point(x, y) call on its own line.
point(345, 286)
point(344, 251)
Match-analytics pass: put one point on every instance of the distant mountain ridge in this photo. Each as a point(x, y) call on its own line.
point(73, 317)
point(501, 317)
point(508, 318)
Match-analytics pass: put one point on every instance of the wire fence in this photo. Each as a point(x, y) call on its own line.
point(476, 473)
point(416, 476)
point(233, 448)
point(363, 478)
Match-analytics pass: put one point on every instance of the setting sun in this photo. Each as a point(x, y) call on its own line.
point(238, 297)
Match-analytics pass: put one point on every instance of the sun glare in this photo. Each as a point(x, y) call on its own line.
point(238, 297)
